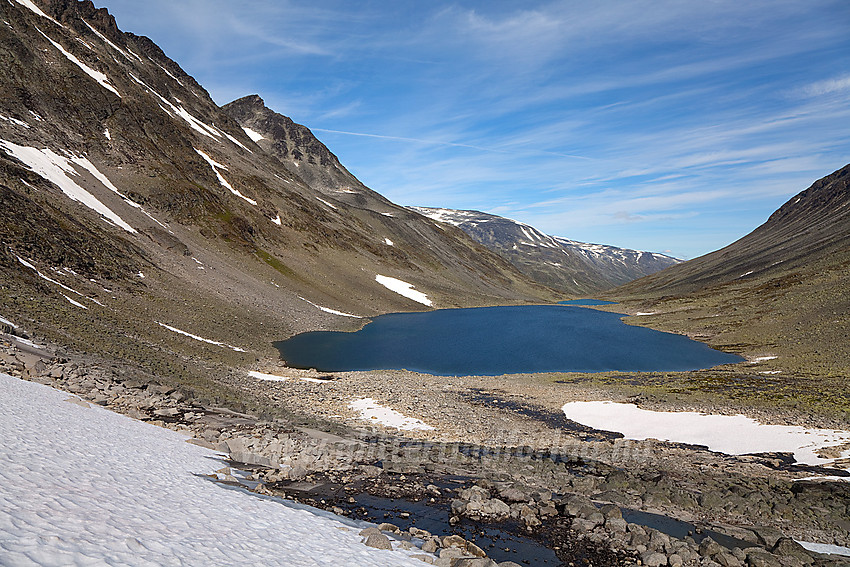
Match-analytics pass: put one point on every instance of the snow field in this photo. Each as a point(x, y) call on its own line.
point(85, 486)
point(403, 288)
point(59, 171)
point(276, 378)
point(734, 435)
point(374, 412)
point(215, 167)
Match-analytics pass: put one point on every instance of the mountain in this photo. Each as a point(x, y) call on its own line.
point(134, 209)
point(782, 288)
point(562, 264)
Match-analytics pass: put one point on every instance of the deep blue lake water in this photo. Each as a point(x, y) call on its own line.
point(500, 340)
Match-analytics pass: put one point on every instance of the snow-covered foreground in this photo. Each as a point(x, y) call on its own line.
point(734, 435)
point(371, 410)
point(85, 486)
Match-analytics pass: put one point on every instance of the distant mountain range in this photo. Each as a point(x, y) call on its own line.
point(562, 264)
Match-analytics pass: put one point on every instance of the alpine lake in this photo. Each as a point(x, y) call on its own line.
point(491, 341)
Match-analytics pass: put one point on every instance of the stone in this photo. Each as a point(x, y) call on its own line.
point(726, 559)
point(166, 412)
point(369, 531)
point(429, 559)
point(675, 560)
point(617, 525)
point(453, 541)
point(766, 535)
point(709, 548)
point(451, 553)
point(514, 495)
point(611, 511)
point(378, 541)
point(430, 545)
point(474, 562)
point(475, 494)
point(653, 559)
point(787, 547)
point(386, 527)
point(757, 557)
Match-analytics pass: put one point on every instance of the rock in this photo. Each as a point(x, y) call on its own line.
point(473, 549)
point(675, 560)
point(709, 548)
point(166, 412)
point(378, 541)
point(514, 495)
point(451, 553)
point(453, 541)
point(574, 503)
point(474, 562)
point(416, 532)
point(617, 525)
point(787, 547)
point(386, 527)
point(766, 535)
point(653, 559)
point(429, 559)
point(757, 557)
point(475, 494)
point(726, 559)
point(611, 511)
point(509, 564)
point(369, 531)
point(431, 545)
point(491, 509)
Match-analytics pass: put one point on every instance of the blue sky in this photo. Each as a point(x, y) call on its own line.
point(670, 126)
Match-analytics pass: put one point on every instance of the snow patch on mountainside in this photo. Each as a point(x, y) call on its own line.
point(197, 338)
point(329, 310)
point(215, 167)
point(58, 170)
point(101, 78)
point(253, 134)
point(403, 288)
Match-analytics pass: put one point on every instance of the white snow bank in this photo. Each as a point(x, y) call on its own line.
point(29, 4)
point(15, 121)
point(215, 167)
point(327, 203)
point(112, 45)
point(85, 486)
point(403, 288)
point(75, 303)
point(101, 78)
point(388, 242)
point(825, 548)
point(197, 338)
point(58, 170)
point(276, 378)
point(7, 322)
point(329, 310)
point(734, 435)
point(253, 134)
point(373, 411)
point(180, 112)
point(760, 359)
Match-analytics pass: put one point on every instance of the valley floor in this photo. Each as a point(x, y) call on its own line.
point(474, 455)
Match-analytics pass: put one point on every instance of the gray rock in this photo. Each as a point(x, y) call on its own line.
point(726, 559)
point(653, 559)
point(787, 547)
point(430, 545)
point(369, 531)
point(474, 562)
point(675, 560)
point(709, 548)
point(766, 535)
point(760, 558)
point(386, 527)
point(475, 494)
point(378, 541)
point(611, 511)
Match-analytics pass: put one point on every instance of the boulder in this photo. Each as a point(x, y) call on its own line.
point(378, 541)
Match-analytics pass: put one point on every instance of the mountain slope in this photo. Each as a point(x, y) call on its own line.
point(562, 264)
point(133, 205)
point(782, 289)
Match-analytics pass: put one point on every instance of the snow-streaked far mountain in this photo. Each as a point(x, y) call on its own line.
point(560, 263)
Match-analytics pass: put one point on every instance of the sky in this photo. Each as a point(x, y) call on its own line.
point(665, 125)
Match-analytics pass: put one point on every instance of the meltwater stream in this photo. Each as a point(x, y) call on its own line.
point(500, 340)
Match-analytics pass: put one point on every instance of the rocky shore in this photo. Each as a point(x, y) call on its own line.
point(502, 479)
